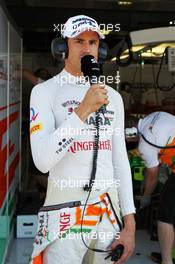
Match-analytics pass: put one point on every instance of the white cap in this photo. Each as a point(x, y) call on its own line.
point(78, 24)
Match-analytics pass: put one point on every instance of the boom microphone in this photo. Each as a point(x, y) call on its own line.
point(91, 70)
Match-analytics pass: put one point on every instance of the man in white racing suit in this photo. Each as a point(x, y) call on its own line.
point(62, 140)
point(156, 144)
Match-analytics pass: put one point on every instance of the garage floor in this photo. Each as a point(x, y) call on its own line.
point(21, 249)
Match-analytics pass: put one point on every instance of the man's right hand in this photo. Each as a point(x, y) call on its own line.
point(95, 97)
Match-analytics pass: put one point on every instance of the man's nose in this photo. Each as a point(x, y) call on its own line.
point(86, 48)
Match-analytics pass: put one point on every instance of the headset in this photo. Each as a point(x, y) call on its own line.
point(59, 48)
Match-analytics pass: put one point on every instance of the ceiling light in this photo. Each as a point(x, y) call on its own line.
point(105, 32)
point(147, 51)
point(125, 2)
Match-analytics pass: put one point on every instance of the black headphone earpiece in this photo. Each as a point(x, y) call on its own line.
point(59, 49)
point(103, 51)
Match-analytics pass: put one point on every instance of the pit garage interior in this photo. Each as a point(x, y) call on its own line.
point(140, 35)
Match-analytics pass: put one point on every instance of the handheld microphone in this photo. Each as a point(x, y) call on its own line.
point(91, 70)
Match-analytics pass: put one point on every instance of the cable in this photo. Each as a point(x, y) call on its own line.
point(118, 221)
point(154, 145)
point(117, 252)
point(88, 187)
point(120, 51)
point(134, 75)
point(92, 179)
point(114, 254)
point(154, 79)
point(158, 74)
point(92, 249)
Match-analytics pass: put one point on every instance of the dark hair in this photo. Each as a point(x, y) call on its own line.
point(131, 121)
point(43, 74)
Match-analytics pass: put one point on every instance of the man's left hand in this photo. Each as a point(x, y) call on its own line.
point(127, 239)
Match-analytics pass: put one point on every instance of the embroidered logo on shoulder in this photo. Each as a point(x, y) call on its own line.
point(36, 128)
point(33, 115)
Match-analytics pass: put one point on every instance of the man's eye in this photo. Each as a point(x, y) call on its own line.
point(93, 42)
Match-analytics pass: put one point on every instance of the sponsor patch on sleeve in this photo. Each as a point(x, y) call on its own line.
point(36, 128)
point(33, 115)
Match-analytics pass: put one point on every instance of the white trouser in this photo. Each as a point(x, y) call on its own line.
point(69, 251)
point(58, 238)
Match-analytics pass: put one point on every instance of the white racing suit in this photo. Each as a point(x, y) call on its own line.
point(63, 145)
